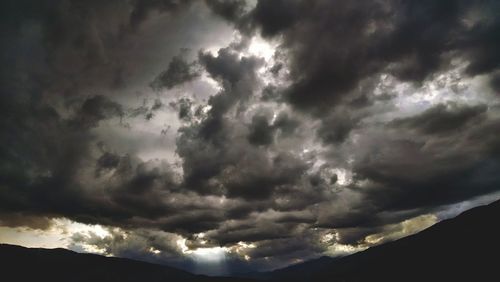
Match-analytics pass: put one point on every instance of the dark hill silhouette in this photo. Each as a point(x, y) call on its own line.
point(58, 265)
point(465, 248)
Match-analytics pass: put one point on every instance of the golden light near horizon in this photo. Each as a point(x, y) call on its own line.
point(57, 235)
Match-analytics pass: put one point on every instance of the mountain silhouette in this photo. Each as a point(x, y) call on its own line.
point(58, 265)
point(464, 248)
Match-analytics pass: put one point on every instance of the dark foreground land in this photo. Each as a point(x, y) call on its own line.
point(465, 248)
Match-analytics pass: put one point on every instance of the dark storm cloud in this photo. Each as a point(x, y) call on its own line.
point(67, 47)
point(483, 135)
point(336, 127)
point(482, 39)
point(57, 48)
point(261, 227)
point(237, 169)
point(184, 108)
point(95, 109)
point(334, 45)
point(270, 93)
point(39, 156)
point(408, 171)
point(229, 10)
point(251, 233)
point(286, 124)
point(303, 247)
point(148, 112)
point(52, 159)
point(355, 235)
point(44, 179)
point(261, 132)
point(495, 83)
point(442, 118)
point(142, 8)
point(70, 38)
point(20, 219)
point(274, 17)
point(260, 162)
point(178, 72)
point(203, 146)
point(258, 176)
point(228, 67)
point(107, 162)
point(237, 76)
point(219, 160)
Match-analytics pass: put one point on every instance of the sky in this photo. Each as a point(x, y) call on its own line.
point(226, 136)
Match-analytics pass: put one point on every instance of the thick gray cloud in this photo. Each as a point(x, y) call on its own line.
point(229, 10)
point(261, 132)
point(442, 118)
point(95, 109)
point(178, 72)
point(142, 8)
point(358, 40)
point(337, 126)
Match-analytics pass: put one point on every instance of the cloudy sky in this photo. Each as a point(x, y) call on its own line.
point(224, 136)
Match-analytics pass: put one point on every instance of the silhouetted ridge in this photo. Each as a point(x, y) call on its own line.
point(464, 248)
point(54, 265)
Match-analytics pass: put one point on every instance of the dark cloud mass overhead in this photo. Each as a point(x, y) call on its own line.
point(227, 136)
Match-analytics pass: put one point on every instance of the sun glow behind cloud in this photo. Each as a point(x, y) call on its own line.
point(261, 48)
